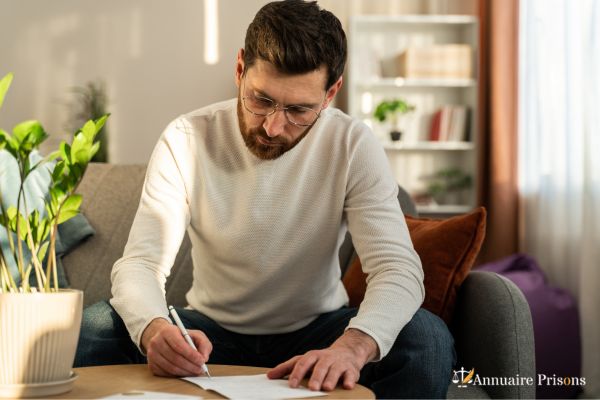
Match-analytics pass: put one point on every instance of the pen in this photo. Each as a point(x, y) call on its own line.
point(186, 335)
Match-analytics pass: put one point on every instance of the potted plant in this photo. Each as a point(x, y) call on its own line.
point(39, 323)
point(447, 185)
point(392, 109)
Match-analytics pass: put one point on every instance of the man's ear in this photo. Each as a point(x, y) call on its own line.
point(239, 67)
point(332, 91)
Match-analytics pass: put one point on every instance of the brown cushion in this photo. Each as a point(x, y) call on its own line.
point(447, 248)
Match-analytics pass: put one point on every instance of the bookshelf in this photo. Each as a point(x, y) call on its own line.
point(377, 44)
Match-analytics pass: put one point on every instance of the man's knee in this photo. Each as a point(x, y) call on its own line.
point(100, 320)
point(422, 356)
point(102, 330)
point(435, 344)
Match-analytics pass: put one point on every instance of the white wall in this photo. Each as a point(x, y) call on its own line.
point(149, 53)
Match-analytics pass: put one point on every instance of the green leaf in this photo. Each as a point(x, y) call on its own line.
point(39, 231)
point(23, 227)
point(89, 130)
point(37, 135)
point(66, 215)
point(42, 251)
point(77, 146)
point(11, 213)
point(101, 121)
point(45, 229)
point(9, 143)
point(72, 203)
point(82, 157)
point(58, 171)
point(75, 174)
point(65, 151)
point(37, 226)
point(4, 137)
point(4, 85)
point(94, 149)
point(57, 196)
point(34, 220)
point(30, 132)
point(49, 211)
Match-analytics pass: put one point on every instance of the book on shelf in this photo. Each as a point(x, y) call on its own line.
point(450, 124)
point(443, 61)
point(435, 126)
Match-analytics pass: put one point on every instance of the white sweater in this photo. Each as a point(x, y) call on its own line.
point(265, 234)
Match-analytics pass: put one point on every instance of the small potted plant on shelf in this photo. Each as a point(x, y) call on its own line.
point(392, 110)
point(446, 186)
point(39, 323)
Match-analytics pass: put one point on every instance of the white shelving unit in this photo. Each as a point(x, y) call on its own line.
point(413, 158)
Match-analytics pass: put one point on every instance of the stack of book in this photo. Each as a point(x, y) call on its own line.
point(444, 61)
point(450, 124)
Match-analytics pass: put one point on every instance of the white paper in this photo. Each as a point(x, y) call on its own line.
point(144, 394)
point(252, 387)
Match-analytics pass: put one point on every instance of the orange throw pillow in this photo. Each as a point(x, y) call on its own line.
point(448, 249)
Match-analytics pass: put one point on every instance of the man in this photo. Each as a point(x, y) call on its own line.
point(266, 186)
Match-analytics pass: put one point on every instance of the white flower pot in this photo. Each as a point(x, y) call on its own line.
point(38, 340)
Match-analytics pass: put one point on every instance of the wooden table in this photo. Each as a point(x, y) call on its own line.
point(94, 382)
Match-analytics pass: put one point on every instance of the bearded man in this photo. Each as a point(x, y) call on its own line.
point(266, 186)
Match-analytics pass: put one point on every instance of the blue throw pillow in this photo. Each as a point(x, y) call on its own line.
point(70, 233)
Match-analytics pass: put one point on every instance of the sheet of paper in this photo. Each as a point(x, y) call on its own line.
point(251, 387)
point(144, 394)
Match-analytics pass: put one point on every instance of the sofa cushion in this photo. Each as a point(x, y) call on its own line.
point(447, 248)
point(111, 194)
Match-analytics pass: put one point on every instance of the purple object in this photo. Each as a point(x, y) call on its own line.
point(555, 324)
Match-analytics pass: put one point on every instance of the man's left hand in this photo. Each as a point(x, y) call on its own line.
point(342, 360)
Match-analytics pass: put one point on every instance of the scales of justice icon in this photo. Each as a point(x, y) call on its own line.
point(463, 380)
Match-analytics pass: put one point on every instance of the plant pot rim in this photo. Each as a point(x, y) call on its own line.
point(60, 291)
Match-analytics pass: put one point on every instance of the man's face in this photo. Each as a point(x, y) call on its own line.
point(268, 137)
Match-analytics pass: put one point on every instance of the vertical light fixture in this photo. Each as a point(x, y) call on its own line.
point(366, 103)
point(211, 32)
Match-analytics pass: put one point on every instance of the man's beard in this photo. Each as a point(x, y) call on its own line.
point(278, 145)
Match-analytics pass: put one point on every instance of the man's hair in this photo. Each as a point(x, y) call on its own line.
point(297, 37)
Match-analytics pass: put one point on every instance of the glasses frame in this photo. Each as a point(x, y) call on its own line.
point(277, 106)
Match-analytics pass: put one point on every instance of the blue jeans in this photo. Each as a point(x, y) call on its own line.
point(418, 365)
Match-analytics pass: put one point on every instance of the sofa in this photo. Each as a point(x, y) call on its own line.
point(491, 322)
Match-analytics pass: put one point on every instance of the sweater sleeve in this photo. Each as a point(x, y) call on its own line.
point(138, 278)
point(380, 235)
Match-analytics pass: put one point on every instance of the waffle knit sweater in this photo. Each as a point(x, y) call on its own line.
point(265, 234)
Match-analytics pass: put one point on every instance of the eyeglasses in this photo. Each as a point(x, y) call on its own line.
point(263, 107)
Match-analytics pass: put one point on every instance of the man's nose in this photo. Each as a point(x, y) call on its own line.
point(275, 123)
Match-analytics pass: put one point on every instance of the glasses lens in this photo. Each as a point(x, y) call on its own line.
point(297, 115)
point(302, 116)
point(259, 105)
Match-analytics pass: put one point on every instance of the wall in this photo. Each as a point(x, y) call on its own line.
point(149, 53)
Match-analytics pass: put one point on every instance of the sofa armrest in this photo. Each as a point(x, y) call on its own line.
point(493, 332)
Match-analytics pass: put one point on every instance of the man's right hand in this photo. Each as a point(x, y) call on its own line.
point(169, 354)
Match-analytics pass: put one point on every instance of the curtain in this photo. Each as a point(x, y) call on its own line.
point(559, 145)
point(498, 187)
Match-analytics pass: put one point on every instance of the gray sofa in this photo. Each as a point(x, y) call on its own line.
point(492, 324)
